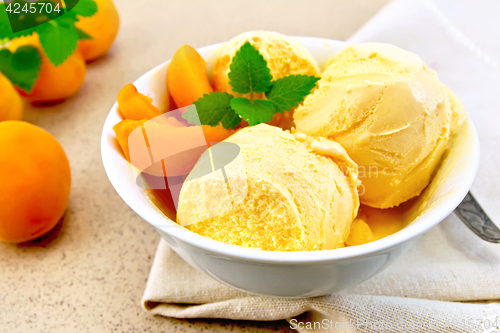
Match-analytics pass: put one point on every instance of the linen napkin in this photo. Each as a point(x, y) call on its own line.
point(426, 288)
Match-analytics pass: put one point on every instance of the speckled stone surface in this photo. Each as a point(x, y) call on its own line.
point(89, 273)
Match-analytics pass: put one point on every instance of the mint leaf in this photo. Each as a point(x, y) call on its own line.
point(288, 92)
point(254, 112)
point(70, 4)
point(25, 32)
point(248, 71)
point(21, 67)
point(249, 74)
point(24, 16)
point(84, 8)
point(5, 29)
point(68, 19)
point(58, 39)
point(82, 34)
point(212, 109)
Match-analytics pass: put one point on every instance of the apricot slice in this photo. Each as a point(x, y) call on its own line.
point(187, 79)
point(102, 27)
point(135, 106)
point(122, 132)
point(164, 138)
point(11, 106)
point(216, 134)
point(54, 83)
point(35, 181)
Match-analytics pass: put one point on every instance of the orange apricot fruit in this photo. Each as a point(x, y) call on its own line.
point(166, 137)
point(102, 27)
point(11, 106)
point(137, 109)
point(217, 133)
point(135, 106)
point(122, 132)
point(168, 125)
point(187, 79)
point(54, 83)
point(35, 181)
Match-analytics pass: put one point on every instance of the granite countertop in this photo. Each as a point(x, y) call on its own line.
point(89, 273)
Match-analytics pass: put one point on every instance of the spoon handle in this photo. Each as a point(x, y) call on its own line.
point(471, 213)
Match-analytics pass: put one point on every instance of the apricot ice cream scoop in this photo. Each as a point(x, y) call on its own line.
point(283, 192)
point(391, 114)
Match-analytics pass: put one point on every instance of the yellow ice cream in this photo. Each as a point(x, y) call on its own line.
point(289, 193)
point(284, 56)
point(390, 113)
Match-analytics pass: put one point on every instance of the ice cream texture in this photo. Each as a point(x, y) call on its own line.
point(284, 56)
point(294, 193)
point(391, 114)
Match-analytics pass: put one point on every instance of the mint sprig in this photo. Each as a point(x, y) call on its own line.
point(21, 67)
point(249, 74)
point(213, 109)
point(56, 31)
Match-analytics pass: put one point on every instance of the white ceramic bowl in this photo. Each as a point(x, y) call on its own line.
point(291, 274)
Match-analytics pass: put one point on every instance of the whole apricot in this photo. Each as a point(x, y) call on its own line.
point(102, 27)
point(35, 181)
point(54, 83)
point(11, 106)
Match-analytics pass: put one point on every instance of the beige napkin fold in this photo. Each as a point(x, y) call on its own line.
point(425, 289)
point(449, 263)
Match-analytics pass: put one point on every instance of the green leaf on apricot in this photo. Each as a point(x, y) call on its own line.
point(21, 67)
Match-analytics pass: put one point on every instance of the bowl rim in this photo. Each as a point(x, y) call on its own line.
point(216, 248)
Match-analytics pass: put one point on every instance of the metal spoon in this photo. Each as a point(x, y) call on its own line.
point(471, 213)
